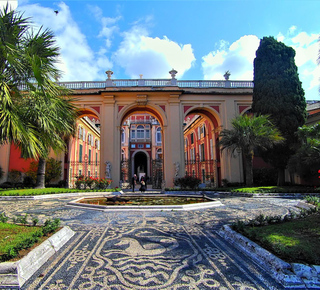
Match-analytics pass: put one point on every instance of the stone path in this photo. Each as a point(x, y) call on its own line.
point(149, 250)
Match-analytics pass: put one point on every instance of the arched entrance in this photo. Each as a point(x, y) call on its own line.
point(140, 164)
point(201, 150)
point(82, 157)
point(141, 145)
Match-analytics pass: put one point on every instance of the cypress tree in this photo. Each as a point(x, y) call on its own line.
point(278, 93)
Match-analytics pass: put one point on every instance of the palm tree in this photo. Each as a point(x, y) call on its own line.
point(33, 112)
point(307, 153)
point(247, 134)
point(13, 75)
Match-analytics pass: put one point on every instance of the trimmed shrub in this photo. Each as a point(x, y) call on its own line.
point(265, 176)
point(187, 182)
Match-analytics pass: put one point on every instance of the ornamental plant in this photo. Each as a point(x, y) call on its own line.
point(83, 182)
point(104, 183)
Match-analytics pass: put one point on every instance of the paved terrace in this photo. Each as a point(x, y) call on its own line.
point(151, 249)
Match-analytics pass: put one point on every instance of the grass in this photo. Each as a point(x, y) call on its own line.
point(42, 191)
point(16, 240)
point(295, 241)
point(258, 189)
point(276, 189)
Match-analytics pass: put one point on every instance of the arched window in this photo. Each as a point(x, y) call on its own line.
point(158, 135)
point(140, 132)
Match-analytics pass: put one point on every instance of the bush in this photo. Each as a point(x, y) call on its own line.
point(15, 176)
point(50, 226)
point(28, 182)
point(187, 182)
point(92, 183)
point(6, 184)
point(53, 170)
point(265, 176)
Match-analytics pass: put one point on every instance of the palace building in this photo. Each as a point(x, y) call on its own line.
point(161, 129)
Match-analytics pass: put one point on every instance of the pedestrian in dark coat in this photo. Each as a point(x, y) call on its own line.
point(143, 186)
point(134, 181)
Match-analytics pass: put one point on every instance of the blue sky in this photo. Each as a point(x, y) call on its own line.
point(200, 39)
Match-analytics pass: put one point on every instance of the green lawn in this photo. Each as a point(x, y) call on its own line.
point(276, 189)
point(293, 241)
point(41, 191)
point(13, 237)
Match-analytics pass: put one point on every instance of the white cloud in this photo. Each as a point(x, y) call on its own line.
point(153, 57)
point(237, 58)
point(76, 56)
point(13, 4)
point(292, 29)
point(306, 47)
point(109, 27)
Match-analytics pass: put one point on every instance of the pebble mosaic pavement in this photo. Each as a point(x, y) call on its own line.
point(151, 249)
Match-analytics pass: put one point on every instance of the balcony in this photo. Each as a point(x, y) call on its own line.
point(83, 85)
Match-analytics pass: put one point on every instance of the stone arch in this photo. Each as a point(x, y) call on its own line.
point(216, 123)
point(246, 111)
point(84, 111)
point(154, 111)
point(209, 112)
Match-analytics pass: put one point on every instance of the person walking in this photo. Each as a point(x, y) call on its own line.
point(134, 181)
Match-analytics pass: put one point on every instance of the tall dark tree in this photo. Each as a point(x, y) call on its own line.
point(278, 93)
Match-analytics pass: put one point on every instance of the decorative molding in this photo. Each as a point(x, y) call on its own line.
point(142, 100)
point(217, 108)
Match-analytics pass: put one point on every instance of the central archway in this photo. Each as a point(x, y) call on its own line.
point(141, 142)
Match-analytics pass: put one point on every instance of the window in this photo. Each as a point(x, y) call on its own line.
point(80, 132)
point(158, 135)
point(133, 145)
point(147, 134)
point(140, 132)
point(211, 149)
point(203, 176)
point(89, 157)
point(140, 146)
point(123, 136)
point(203, 131)
point(133, 134)
point(202, 153)
point(80, 172)
point(192, 138)
point(123, 155)
point(80, 153)
point(147, 145)
point(96, 158)
point(89, 173)
point(186, 142)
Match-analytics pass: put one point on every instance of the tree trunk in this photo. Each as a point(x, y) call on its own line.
point(41, 173)
point(249, 171)
point(281, 177)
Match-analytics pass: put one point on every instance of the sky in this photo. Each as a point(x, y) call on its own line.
point(200, 39)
